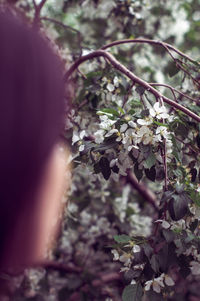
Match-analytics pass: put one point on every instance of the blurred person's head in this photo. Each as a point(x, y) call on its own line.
point(31, 120)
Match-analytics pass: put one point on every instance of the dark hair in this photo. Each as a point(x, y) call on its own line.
point(31, 119)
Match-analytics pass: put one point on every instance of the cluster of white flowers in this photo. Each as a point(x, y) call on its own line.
point(127, 257)
point(158, 283)
point(110, 90)
point(131, 133)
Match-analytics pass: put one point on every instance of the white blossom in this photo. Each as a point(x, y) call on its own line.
point(113, 162)
point(128, 139)
point(106, 123)
point(195, 267)
point(116, 81)
point(162, 132)
point(132, 124)
point(146, 121)
point(99, 136)
point(78, 136)
point(164, 223)
point(126, 259)
point(160, 112)
point(158, 283)
point(110, 87)
point(168, 280)
point(136, 249)
point(111, 132)
point(145, 135)
point(123, 127)
point(115, 254)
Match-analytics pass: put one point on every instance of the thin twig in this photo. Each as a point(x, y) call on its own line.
point(180, 65)
point(116, 64)
point(142, 190)
point(193, 149)
point(81, 73)
point(167, 47)
point(175, 90)
point(164, 156)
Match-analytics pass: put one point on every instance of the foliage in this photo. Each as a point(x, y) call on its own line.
point(135, 151)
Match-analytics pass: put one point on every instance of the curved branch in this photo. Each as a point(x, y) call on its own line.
point(59, 266)
point(167, 47)
point(147, 41)
point(117, 65)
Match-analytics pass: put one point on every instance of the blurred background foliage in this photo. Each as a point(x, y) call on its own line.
point(83, 267)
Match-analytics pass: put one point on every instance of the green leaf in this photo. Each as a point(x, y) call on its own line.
point(148, 250)
point(150, 161)
point(97, 168)
point(108, 111)
point(178, 206)
point(138, 172)
point(194, 225)
point(168, 235)
point(105, 167)
point(160, 123)
point(121, 110)
point(122, 238)
point(132, 292)
point(172, 69)
point(154, 263)
point(151, 173)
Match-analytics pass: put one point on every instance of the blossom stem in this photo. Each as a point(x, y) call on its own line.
point(116, 64)
point(165, 164)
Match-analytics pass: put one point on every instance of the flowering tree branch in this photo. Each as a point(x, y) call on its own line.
point(117, 65)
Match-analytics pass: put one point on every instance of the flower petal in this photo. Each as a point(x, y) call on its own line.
point(169, 281)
